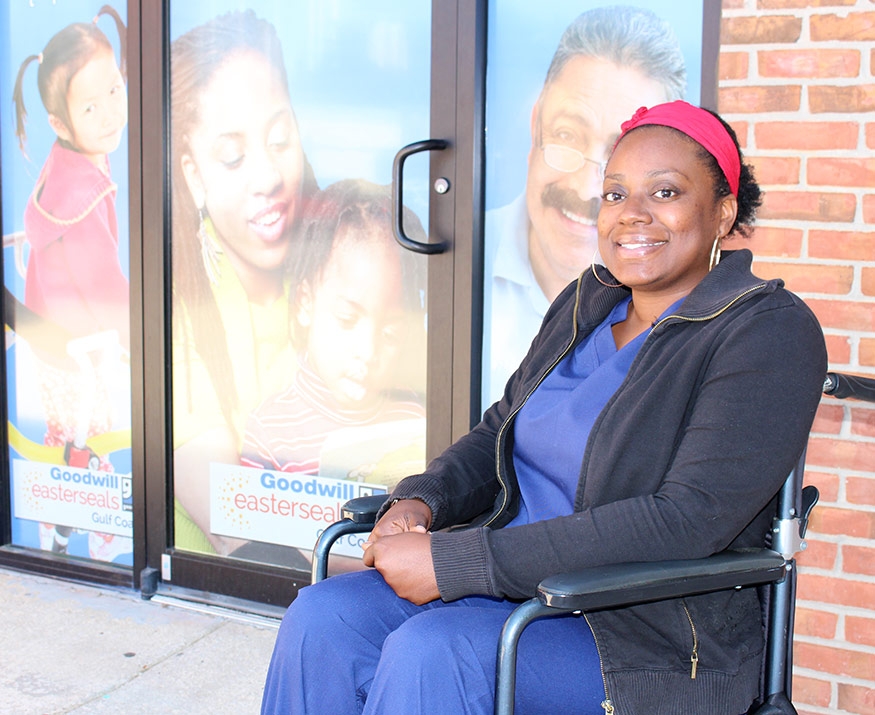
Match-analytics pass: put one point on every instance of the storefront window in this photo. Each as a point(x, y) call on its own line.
point(65, 250)
point(298, 323)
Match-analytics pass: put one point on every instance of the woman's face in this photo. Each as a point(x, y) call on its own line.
point(245, 164)
point(659, 218)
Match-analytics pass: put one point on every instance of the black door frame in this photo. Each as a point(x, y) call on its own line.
point(455, 296)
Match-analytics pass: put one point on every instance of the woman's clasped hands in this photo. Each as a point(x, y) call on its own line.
point(399, 548)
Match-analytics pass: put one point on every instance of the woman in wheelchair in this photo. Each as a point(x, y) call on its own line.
point(659, 409)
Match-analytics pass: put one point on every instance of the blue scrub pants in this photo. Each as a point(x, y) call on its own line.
point(350, 645)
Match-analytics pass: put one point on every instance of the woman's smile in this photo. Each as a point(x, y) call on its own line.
point(269, 224)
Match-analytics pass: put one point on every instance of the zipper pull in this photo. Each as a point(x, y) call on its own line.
point(608, 706)
point(694, 659)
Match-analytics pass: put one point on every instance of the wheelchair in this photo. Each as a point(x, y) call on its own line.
point(772, 567)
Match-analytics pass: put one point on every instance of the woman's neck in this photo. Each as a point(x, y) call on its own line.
point(262, 287)
point(644, 311)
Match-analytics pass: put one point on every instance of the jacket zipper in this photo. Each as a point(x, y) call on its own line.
point(510, 417)
point(715, 313)
point(607, 704)
point(694, 657)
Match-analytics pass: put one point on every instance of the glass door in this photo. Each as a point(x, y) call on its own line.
point(302, 336)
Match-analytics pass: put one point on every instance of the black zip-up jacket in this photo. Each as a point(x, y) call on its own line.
point(683, 461)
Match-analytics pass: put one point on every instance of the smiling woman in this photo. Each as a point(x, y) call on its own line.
point(655, 417)
point(239, 176)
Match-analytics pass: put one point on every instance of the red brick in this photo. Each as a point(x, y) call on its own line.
point(860, 490)
point(827, 485)
point(845, 245)
point(760, 29)
point(818, 554)
point(838, 347)
point(852, 98)
point(860, 630)
point(829, 417)
point(838, 661)
point(857, 699)
point(811, 691)
point(843, 522)
point(776, 241)
point(868, 281)
point(841, 591)
point(869, 208)
point(775, 170)
point(867, 352)
point(741, 129)
point(790, 4)
point(760, 100)
point(841, 172)
point(859, 559)
point(862, 422)
point(853, 27)
point(808, 63)
point(807, 135)
point(843, 315)
point(809, 278)
point(818, 624)
point(870, 128)
point(809, 206)
point(733, 65)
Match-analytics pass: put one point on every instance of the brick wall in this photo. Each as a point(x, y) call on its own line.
point(796, 82)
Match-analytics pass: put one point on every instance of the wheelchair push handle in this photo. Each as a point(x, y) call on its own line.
point(838, 384)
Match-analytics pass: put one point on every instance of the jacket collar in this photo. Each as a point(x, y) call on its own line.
point(727, 281)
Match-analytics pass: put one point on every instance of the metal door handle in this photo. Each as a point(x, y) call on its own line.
point(397, 196)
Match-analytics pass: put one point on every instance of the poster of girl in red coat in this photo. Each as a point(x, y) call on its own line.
point(67, 297)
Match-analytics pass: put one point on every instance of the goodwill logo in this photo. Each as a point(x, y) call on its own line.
point(279, 507)
point(80, 498)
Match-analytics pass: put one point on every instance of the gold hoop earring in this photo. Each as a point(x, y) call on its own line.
point(715, 253)
point(210, 250)
point(595, 273)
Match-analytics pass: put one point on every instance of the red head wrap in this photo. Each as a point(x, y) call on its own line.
point(698, 124)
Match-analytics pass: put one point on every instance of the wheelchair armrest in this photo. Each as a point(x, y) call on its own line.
point(358, 515)
point(363, 510)
point(629, 583)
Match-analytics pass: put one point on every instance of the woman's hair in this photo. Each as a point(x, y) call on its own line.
point(356, 207)
point(749, 194)
point(195, 57)
point(65, 54)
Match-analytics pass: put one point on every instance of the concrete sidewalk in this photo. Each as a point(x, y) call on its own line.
point(71, 648)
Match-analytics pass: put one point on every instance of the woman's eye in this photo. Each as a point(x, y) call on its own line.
point(232, 162)
point(611, 196)
point(279, 137)
point(230, 153)
point(665, 193)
